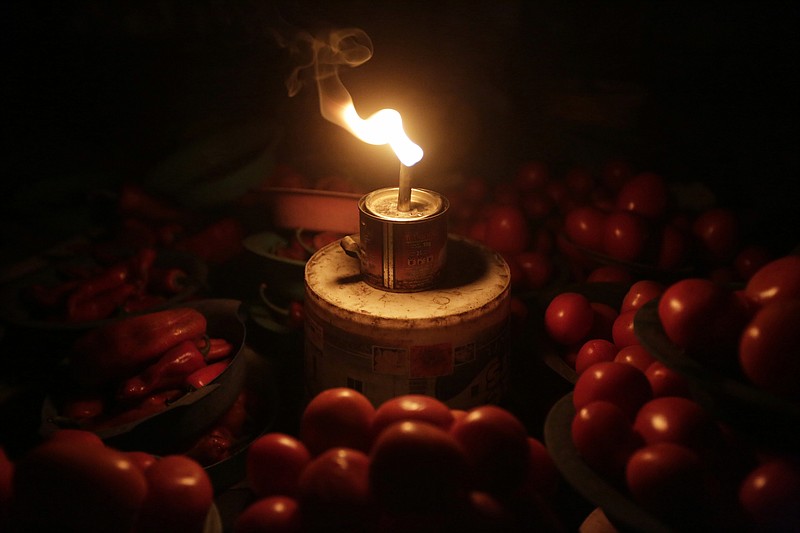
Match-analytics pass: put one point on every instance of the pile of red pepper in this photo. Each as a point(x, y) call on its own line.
point(135, 367)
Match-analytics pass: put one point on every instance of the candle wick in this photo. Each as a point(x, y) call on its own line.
point(404, 190)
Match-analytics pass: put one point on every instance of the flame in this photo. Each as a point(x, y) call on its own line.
point(349, 47)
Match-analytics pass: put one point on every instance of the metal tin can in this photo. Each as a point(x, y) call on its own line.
point(402, 251)
point(450, 342)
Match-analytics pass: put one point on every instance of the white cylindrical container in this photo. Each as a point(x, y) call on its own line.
point(450, 342)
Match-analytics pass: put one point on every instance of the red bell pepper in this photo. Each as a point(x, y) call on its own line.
point(214, 349)
point(141, 263)
point(101, 305)
point(204, 376)
point(121, 348)
point(212, 447)
point(142, 302)
point(169, 372)
point(111, 277)
point(155, 403)
point(84, 406)
point(49, 298)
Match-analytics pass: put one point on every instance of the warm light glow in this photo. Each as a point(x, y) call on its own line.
point(383, 127)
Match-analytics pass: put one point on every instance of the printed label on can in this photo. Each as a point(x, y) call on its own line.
point(462, 373)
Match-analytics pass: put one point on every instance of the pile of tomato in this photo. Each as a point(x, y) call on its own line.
point(409, 464)
point(72, 481)
point(636, 421)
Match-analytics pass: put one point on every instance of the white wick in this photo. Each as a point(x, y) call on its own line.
point(404, 190)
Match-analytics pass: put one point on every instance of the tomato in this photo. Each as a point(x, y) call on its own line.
point(645, 194)
point(543, 475)
point(486, 512)
point(779, 279)
point(769, 349)
point(141, 459)
point(678, 420)
point(568, 317)
point(334, 490)
point(458, 413)
point(532, 175)
point(703, 317)
point(78, 436)
point(274, 463)
point(667, 479)
point(337, 417)
point(750, 259)
point(507, 229)
point(621, 384)
point(610, 274)
point(560, 194)
point(67, 485)
point(411, 407)
point(6, 484)
point(585, 226)
point(603, 321)
point(603, 436)
point(580, 181)
point(622, 331)
point(626, 236)
point(674, 247)
point(505, 193)
point(717, 232)
point(641, 292)
point(636, 355)
point(615, 172)
point(497, 449)
point(768, 495)
point(537, 268)
point(594, 351)
point(176, 483)
point(273, 514)
point(416, 466)
point(666, 382)
point(536, 205)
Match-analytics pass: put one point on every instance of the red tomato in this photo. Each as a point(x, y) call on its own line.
point(594, 351)
point(667, 479)
point(78, 436)
point(273, 514)
point(6, 484)
point(779, 279)
point(750, 259)
point(636, 355)
point(580, 181)
point(334, 490)
point(507, 229)
point(416, 466)
point(532, 175)
point(768, 495)
point(67, 485)
point(141, 459)
point(678, 420)
point(641, 292)
point(610, 274)
point(176, 482)
point(585, 226)
point(673, 248)
point(496, 445)
point(536, 205)
point(337, 417)
point(666, 382)
point(703, 317)
point(568, 317)
point(717, 232)
point(603, 436)
point(560, 194)
point(621, 384)
point(543, 475)
point(769, 349)
point(537, 268)
point(411, 407)
point(622, 331)
point(274, 463)
point(625, 236)
point(645, 194)
point(615, 172)
point(603, 321)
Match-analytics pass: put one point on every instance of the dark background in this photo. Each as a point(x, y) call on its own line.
point(99, 92)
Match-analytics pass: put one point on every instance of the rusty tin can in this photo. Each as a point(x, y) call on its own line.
point(401, 251)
